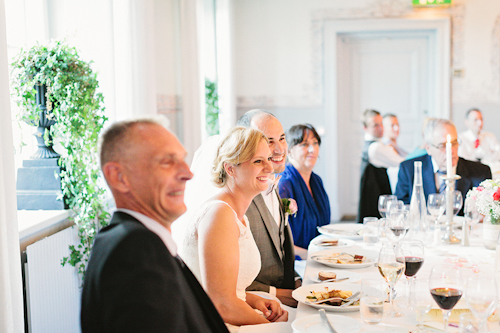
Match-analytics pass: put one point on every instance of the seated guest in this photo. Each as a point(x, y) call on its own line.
point(218, 244)
point(135, 282)
point(391, 133)
point(375, 160)
point(478, 145)
point(299, 182)
point(434, 164)
point(267, 219)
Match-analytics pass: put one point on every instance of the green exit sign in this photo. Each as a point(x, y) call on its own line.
point(431, 2)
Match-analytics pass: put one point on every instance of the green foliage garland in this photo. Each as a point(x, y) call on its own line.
point(212, 104)
point(73, 100)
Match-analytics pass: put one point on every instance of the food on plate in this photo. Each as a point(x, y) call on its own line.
point(321, 295)
point(329, 242)
point(326, 275)
point(343, 258)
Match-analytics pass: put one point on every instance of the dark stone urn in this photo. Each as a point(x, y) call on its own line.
point(38, 185)
point(46, 120)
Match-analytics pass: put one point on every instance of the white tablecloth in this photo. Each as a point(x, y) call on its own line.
point(473, 258)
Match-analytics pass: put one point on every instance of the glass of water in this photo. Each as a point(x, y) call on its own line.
point(370, 230)
point(373, 295)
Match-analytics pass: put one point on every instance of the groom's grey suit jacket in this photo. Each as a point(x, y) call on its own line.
point(275, 246)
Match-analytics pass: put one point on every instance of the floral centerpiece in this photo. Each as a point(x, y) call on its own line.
point(487, 198)
point(487, 201)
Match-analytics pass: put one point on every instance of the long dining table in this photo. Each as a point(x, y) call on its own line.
point(472, 259)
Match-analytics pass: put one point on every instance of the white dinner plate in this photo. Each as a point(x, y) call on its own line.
point(370, 258)
point(343, 230)
point(300, 295)
point(341, 243)
point(314, 324)
point(352, 276)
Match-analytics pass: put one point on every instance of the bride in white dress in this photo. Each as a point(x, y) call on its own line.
point(217, 243)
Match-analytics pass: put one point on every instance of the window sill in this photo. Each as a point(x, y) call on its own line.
point(37, 224)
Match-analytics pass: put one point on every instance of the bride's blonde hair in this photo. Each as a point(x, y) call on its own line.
point(239, 145)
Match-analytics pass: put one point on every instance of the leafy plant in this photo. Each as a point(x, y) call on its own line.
point(212, 104)
point(73, 101)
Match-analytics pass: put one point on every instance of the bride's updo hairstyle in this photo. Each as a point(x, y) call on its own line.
point(239, 146)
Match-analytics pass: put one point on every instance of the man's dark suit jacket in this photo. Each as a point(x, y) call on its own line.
point(275, 246)
point(134, 284)
point(472, 174)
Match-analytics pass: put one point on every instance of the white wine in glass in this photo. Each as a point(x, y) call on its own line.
point(391, 266)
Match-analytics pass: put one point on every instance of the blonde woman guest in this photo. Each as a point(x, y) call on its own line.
point(299, 182)
point(218, 245)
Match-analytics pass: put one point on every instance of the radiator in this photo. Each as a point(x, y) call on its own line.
point(52, 291)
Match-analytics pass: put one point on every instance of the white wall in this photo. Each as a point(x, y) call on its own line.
point(279, 48)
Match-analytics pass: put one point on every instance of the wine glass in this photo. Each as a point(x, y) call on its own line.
point(446, 289)
point(457, 202)
point(470, 213)
point(394, 205)
point(391, 266)
point(413, 250)
point(397, 225)
point(382, 203)
point(436, 204)
point(481, 297)
point(421, 301)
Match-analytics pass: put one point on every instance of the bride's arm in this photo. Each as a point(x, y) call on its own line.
point(219, 254)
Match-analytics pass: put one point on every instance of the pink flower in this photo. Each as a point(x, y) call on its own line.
point(293, 206)
point(496, 195)
point(480, 188)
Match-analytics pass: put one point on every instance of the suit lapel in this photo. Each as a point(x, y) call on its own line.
point(428, 177)
point(271, 226)
point(464, 183)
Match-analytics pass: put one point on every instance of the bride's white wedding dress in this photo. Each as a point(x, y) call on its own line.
point(249, 253)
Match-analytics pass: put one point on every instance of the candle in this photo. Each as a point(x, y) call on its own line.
point(448, 157)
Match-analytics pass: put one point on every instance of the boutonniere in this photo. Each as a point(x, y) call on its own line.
point(290, 206)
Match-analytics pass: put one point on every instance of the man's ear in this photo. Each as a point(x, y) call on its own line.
point(113, 172)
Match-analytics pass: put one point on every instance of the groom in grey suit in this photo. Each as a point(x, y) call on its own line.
point(267, 222)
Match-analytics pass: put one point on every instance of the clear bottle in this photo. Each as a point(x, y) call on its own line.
point(418, 207)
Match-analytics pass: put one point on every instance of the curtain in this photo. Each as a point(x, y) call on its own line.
point(11, 294)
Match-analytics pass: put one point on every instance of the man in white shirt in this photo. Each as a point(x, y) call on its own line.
point(391, 133)
point(267, 219)
point(479, 145)
point(376, 158)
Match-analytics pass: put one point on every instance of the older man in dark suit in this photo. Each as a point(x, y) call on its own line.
point(434, 164)
point(267, 221)
point(135, 282)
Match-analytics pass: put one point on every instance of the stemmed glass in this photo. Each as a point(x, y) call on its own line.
point(382, 203)
point(391, 266)
point(457, 202)
point(436, 204)
point(481, 297)
point(397, 225)
point(413, 251)
point(421, 301)
point(446, 289)
point(470, 213)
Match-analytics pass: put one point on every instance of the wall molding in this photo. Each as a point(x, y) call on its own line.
point(313, 96)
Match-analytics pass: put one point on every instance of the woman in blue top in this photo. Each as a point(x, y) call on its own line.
point(300, 183)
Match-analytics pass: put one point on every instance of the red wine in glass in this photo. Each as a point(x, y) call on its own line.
point(446, 298)
point(412, 265)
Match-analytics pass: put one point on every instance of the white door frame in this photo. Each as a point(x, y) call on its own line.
point(332, 29)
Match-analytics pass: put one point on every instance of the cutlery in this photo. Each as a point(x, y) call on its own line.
point(356, 296)
point(323, 316)
point(334, 280)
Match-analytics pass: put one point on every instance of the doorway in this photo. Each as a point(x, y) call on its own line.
point(391, 65)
